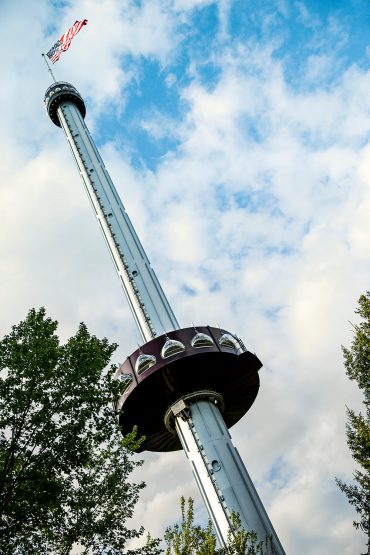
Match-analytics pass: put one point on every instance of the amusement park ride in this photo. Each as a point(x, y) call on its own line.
point(183, 387)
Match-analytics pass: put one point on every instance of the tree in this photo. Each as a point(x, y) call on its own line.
point(187, 538)
point(63, 462)
point(357, 365)
point(242, 542)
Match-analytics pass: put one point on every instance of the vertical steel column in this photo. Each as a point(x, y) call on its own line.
point(150, 308)
point(221, 476)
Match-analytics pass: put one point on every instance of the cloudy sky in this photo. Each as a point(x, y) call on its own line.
point(237, 133)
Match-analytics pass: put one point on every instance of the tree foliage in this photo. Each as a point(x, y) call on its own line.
point(357, 365)
point(188, 538)
point(242, 542)
point(63, 462)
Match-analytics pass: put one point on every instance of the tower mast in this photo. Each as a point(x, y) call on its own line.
point(184, 387)
point(150, 308)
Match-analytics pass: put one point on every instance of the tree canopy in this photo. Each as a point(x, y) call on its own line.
point(188, 538)
point(357, 365)
point(64, 465)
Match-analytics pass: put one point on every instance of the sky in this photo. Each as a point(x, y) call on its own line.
point(237, 134)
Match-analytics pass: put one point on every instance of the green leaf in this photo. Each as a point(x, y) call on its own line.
point(357, 365)
point(64, 466)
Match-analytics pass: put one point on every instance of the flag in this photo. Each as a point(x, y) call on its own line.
point(65, 40)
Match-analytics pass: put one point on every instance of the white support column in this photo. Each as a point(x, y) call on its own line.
point(221, 476)
point(150, 308)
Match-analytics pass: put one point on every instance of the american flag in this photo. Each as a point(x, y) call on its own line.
point(65, 40)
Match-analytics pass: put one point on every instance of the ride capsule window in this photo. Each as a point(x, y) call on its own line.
point(229, 342)
point(171, 348)
point(202, 340)
point(144, 362)
point(125, 379)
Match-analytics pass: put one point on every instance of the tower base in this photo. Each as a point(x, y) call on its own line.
point(221, 476)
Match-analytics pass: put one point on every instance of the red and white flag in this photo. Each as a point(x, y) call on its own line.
point(65, 40)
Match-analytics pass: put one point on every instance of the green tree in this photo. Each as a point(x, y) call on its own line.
point(187, 538)
point(357, 365)
point(242, 542)
point(63, 462)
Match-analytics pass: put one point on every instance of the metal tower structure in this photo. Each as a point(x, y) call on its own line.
point(184, 387)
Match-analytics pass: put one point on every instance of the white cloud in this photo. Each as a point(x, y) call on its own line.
point(261, 209)
point(319, 194)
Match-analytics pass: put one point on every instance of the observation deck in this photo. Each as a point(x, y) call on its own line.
point(193, 363)
point(60, 92)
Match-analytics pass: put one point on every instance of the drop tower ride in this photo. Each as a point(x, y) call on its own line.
point(184, 387)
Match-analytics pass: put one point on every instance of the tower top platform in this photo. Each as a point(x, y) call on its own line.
point(61, 92)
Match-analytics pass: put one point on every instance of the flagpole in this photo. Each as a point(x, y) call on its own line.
point(49, 68)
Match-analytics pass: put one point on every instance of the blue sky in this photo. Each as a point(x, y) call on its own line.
point(297, 32)
point(237, 134)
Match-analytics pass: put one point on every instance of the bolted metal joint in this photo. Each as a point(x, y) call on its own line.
point(60, 92)
point(181, 408)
